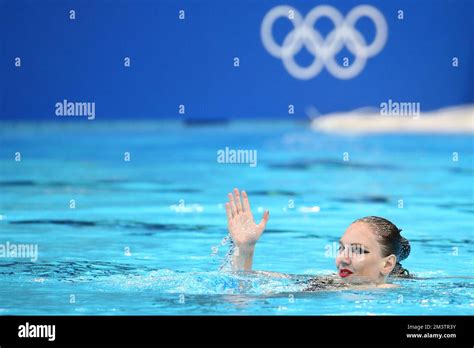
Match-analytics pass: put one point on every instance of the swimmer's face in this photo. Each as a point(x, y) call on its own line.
point(360, 258)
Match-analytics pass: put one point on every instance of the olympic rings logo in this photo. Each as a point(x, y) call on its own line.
point(324, 50)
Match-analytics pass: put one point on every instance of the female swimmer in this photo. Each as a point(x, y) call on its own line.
point(370, 250)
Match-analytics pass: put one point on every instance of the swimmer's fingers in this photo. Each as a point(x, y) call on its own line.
point(228, 210)
point(232, 205)
point(246, 203)
point(238, 202)
point(264, 220)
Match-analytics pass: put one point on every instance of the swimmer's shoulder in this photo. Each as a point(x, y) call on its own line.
point(327, 282)
point(388, 286)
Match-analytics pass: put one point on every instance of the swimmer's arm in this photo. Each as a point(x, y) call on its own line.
point(274, 274)
point(242, 258)
point(243, 230)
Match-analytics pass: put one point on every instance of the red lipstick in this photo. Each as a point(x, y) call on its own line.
point(344, 272)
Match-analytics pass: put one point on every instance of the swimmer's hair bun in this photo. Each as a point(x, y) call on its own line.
point(404, 249)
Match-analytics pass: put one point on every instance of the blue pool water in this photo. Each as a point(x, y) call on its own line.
point(147, 236)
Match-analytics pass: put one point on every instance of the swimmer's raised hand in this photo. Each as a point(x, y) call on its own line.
point(242, 227)
point(243, 230)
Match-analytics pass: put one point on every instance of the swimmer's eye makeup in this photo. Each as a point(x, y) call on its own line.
point(355, 248)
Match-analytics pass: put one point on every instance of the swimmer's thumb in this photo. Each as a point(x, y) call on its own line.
point(263, 223)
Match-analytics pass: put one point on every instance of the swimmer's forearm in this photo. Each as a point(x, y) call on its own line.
point(242, 258)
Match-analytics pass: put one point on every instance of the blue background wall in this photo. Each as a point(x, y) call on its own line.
point(190, 62)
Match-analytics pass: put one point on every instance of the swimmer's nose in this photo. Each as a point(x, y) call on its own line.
point(344, 260)
point(345, 263)
point(340, 263)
